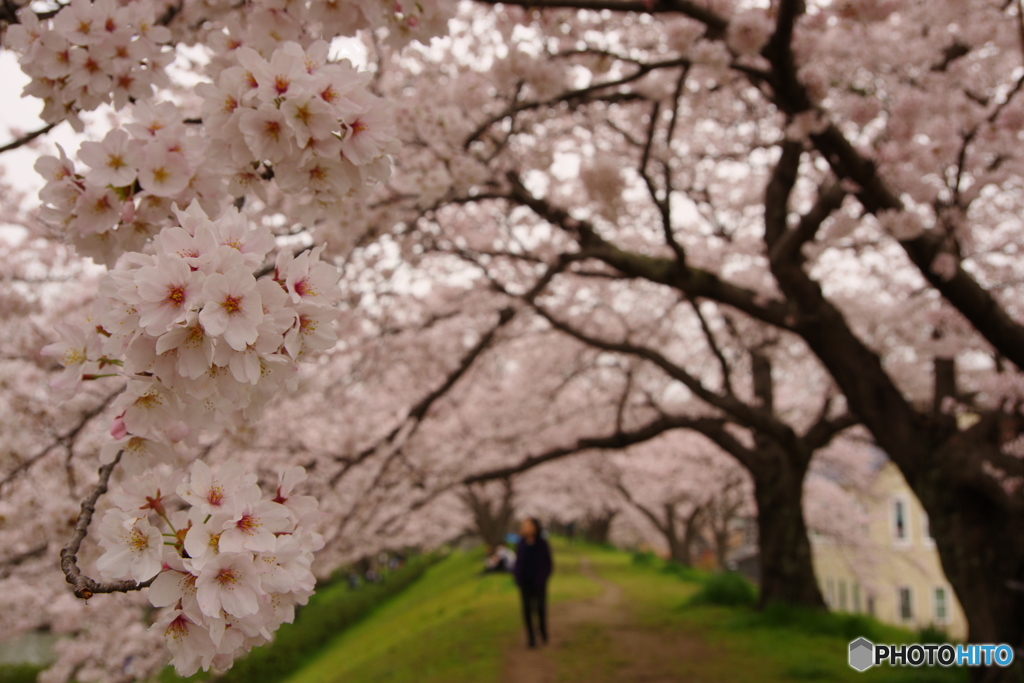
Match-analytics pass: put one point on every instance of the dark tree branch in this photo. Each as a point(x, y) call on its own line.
point(757, 419)
point(615, 441)
point(961, 290)
point(694, 282)
point(789, 243)
point(715, 24)
point(28, 137)
point(857, 370)
point(8, 564)
point(65, 439)
point(723, 365)
point(85, 587)
point(651, 516)
point(620, 410)
point(580, 95)
point(419, 411)
point(825, 429)
point(663, 203)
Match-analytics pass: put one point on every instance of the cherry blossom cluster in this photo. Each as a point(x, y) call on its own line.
point(135, 175)
point(310, 124)
point(90, 53)
point(265, 23)
point(199, 337)
point(203, 343)
point(229, 563)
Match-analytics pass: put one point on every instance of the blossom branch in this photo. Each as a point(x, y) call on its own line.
point(84, 586)
point(693, 282)
point(66, 439)
point(715, 348)
point(857, 369)
point(733, 406)
point(582, 95)
point(28, 137)
point(7, 565)
point(418, 412)
point(715, 24)
point(616, 441)
point(961, 290)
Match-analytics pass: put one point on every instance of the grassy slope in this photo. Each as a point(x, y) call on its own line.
point(734, 644)
point(453, 626)
point(333, 608)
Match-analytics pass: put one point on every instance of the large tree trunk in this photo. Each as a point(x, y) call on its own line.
point(787, 573)
point(492, 511)
point(721, 548)
point(981, 546)
point(977, 524)
point(680, 546)
point(597, 527)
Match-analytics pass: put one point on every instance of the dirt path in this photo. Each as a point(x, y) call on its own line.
point(523, 665)
point(630, 652)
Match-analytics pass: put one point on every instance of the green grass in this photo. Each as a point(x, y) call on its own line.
point(740, 644)
point(441, 621)
point(453, 626)
point(725, 588)
point(19, 673)
point(331, 610)
point(456, 626)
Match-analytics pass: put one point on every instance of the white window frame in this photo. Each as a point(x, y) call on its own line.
point(908, 534)
point(945, 604)
point(927, 540)
point(900, 619)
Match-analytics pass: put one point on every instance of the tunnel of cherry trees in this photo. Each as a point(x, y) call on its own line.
point(288, 283)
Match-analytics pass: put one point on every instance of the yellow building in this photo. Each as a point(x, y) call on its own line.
point(894, 574)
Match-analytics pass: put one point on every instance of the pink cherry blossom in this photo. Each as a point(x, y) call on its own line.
point(252, 527)
point(167, 291)
point(189, 642)
point(228, 584)
point(76, 352)
point(134, 548)
point(113, 161)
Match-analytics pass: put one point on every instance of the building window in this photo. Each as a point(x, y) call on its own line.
point(926, 530)
point(856, 596)
point(900, 521)
point(904, 604)
point(941, 606)
point(842, 595)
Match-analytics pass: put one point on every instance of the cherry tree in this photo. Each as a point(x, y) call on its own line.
point(492, 506)
point(841, 172)
point(575, 491)
point(763, 220)
point(204, 312)
point(688, 489)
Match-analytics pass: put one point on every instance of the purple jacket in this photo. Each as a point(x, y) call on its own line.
point(533, 563)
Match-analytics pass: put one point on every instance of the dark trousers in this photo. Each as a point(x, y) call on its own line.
point(535, 601)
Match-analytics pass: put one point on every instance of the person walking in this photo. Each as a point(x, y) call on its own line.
point(532, 571)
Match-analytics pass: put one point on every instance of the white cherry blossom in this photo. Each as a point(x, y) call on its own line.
point(134, 547)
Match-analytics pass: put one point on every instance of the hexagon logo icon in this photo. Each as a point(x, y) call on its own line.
point(862, 654)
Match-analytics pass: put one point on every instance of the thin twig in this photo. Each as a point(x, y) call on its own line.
point(85, 587)
point(66, 439)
